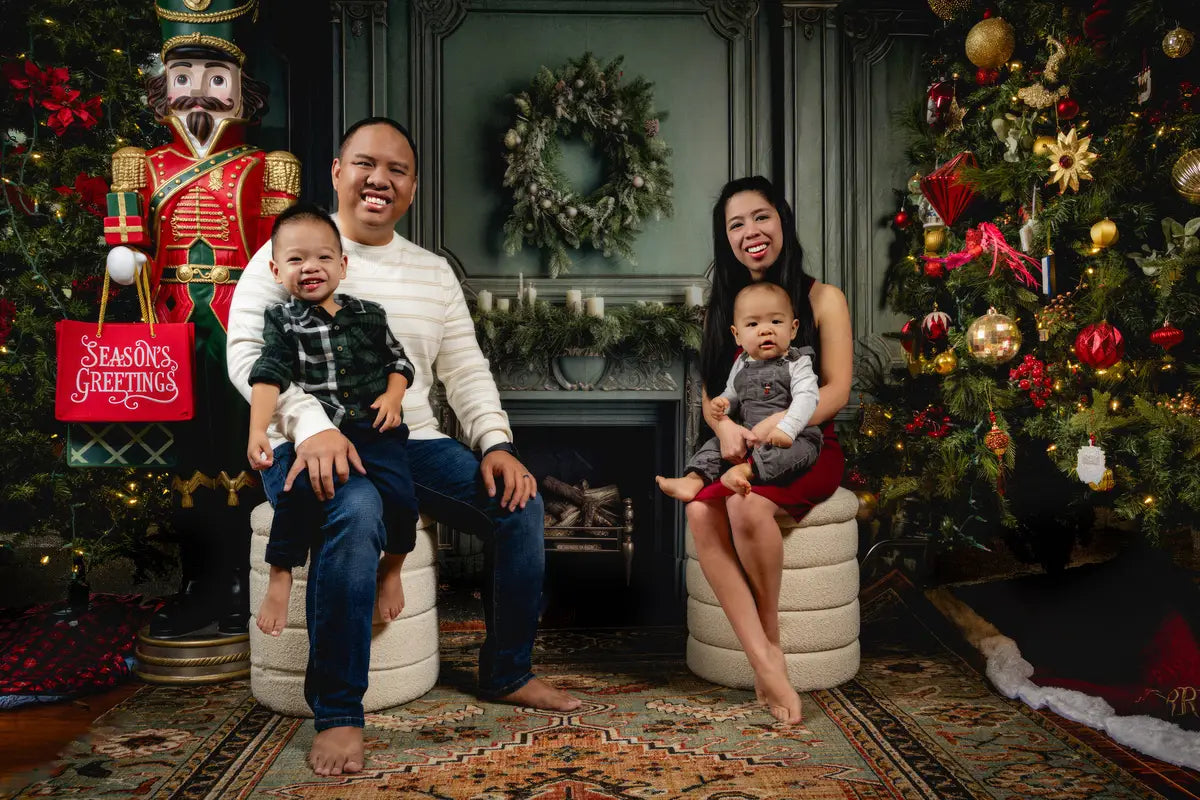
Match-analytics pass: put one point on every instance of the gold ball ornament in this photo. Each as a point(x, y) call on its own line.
point(990, 43)
point(1042, 145)
point(1185, 176)
point(935, 239)
point(949, 9)
point(1178, 42)
point(993, 338)
point(1105, 484)
point(868, 502)
point(1105, 233)
point(945, 362)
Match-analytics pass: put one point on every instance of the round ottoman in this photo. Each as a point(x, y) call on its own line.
point(818, 604)
point(404, 652)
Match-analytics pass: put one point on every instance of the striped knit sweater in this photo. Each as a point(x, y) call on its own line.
point(426, 312)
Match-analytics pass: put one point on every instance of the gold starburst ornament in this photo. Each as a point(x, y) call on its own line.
point(1070, 160)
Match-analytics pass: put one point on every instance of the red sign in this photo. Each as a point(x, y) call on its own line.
point(125, 373)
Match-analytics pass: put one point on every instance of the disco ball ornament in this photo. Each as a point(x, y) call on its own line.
point(1178, 42)
point(1100, 345)
point(949, 9)
point(993, 338)
point(990, 43)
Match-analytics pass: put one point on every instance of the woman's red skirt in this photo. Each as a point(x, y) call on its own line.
point(812, 487)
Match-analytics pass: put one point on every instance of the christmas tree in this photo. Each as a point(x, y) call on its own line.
point(1050, 281)
point(72, 92)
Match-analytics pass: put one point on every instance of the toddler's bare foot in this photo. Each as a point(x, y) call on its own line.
point(737, 479)
point(685, 488)
point(337, 750)
point(272, 613)
point(390, 594)
point(539, 694)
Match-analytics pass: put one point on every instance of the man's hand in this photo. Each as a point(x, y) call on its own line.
point(720, 406)
point(735, 439)
point(324, 454)
point(737, 478)
point(389, 416)
point(519, 485)
point(258, 450)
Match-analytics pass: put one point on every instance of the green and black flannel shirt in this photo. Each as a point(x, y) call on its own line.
point(343, 361)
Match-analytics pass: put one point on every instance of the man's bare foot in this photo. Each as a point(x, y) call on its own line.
point(782, 700)
point(737, 479)
point(272, 613)
point(539, 694)
point(337, 750)
point(685, 488)
point(390, 594)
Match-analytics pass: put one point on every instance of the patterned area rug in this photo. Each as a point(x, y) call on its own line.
point(918, 722)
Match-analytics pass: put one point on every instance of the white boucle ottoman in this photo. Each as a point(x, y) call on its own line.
point(404, 652)
point(818, 604)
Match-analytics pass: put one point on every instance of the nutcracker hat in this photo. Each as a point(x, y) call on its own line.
point(204, 24)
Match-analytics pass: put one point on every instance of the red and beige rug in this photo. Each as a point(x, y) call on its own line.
point(919, 721)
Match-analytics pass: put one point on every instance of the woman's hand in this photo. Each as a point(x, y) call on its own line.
point(735, 440)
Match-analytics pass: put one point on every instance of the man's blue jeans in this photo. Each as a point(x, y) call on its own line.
point(345, 556)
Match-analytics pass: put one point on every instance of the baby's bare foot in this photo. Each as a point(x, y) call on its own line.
point(685, 488)
point(272, 613)
point(390, 594)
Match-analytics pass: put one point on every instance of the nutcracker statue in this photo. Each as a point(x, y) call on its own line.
point(193, 212)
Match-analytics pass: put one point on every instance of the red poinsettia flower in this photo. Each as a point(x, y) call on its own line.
point(30, 83)
point(92, 193)
point(8, 310)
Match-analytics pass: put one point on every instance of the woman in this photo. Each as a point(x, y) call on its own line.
point(737, 539)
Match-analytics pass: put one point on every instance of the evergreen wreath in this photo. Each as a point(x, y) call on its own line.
point(618, 120)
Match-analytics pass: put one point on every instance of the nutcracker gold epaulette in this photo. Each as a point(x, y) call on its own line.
point(129, 169)
point(283, 172)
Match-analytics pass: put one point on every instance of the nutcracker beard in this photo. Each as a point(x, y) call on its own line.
point(199, 121)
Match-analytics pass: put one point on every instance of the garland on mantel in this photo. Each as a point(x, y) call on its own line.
point(619, 121)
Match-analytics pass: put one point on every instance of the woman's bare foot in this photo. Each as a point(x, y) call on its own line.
point(337, 750)
point(782, 700)
point(390, 594)
point(685, 488)
point(272, 613)
point(539, 694)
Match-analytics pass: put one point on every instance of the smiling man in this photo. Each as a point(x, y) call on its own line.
point(487, 491)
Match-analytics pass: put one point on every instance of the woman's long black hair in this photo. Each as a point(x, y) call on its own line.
point(729, 276)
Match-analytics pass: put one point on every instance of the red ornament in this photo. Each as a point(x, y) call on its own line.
point(945, 189)
point(1100, 345)
point(934, 268)
point(8, 311)
point(935, 324)
point(1167, 336)
point(908, 335)
point(1067, 108)
point(901, 219)
point(986, 77)
point(939, 96)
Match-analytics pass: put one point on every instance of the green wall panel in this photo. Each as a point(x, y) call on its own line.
point(492, 56)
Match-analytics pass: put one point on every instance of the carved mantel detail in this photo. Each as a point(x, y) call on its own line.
point(359, 13)
point(731, 19)
point(441, 17)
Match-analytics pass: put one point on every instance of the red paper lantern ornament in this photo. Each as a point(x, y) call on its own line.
point(1167, 336)
point(935, 324)
point(1100, 345)
point(945, 189)
point(1067, 108)
point(939, 97)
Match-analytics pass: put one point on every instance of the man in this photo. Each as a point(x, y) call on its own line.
point(193, 212)
point(375, 177)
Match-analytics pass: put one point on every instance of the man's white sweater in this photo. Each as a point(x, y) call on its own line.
point(426, 312)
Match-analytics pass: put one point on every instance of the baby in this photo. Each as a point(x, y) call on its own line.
point(771, 389)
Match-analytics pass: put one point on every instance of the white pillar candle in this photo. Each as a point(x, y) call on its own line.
point(530, 295)
point(483, 301)
point(595, 306)
point(575, 301)
point(693, 296)
point(502, 304)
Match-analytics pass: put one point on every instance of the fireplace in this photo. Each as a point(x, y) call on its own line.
point(633, 426)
